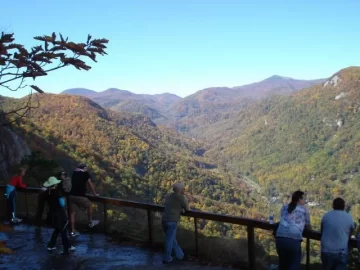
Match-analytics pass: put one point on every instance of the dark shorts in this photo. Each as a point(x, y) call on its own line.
point(79, 201)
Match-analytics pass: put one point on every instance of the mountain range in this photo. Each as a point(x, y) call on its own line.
point(175, 111)
point(252, 143)
point(277, 133)
point(240, 151)
point(122, 100)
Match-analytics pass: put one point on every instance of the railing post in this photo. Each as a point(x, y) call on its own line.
point(196, 237)
point(26, 205)
point(307, 253)
point(251, 247)
point(5, 205)
point(150, 225)
point(105, 216)
point(67, 210)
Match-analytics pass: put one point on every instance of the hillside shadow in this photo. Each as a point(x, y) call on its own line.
point(49, 151)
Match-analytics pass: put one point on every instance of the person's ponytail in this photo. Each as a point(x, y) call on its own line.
point(295, 198)
point(291, 207)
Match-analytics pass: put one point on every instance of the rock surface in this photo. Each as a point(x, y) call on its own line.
point(93, 251)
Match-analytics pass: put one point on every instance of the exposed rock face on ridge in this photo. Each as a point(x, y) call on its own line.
point(12, 150)
point(333, 81)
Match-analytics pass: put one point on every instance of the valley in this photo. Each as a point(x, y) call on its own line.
point(243, 150)
point(276, 134)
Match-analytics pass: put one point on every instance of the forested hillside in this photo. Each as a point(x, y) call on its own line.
point(212, 105)
point(239, 162)
point(130, 156)
point(309, 140)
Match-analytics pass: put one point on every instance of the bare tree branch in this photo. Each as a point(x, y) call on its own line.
point(21, 111)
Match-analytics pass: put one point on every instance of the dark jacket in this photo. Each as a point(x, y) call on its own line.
point(57, 214)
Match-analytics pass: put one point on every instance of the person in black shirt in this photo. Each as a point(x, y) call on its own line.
point(80, 179)
point(57, 215)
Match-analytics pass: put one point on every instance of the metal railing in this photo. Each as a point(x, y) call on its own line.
point(251, 224)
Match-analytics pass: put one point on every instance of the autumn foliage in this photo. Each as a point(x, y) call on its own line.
point(18, 63)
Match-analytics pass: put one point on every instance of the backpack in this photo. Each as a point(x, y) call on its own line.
point(66, 185)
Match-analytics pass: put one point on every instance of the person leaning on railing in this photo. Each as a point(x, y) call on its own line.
point(294, 218)
point(336, 229)
point(10, 194)
point(79, 180)
point(175, 204)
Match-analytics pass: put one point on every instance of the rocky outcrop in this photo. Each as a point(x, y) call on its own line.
point(12, 150)
point(341, 95)
point(333, 81)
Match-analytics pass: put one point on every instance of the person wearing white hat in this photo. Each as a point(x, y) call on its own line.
point(175, 204)
point(57, 215)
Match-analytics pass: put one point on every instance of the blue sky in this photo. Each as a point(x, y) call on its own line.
point(183, 46)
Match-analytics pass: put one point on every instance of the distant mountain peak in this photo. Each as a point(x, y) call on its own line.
point(277, 77)
point(79, 91)
point(113, 89)
point(167, 94)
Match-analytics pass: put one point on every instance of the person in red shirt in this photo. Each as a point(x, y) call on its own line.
point(10, 194)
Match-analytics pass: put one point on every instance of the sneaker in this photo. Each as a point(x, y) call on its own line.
point(166, 262)
point(72, 248)
point(184, 258)
point(74, 234)
point(16, 220)
point(93, 223)
point(51, 248)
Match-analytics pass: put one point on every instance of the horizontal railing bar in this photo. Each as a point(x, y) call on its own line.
point(260, 224)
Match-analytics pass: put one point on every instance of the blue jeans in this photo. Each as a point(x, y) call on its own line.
point(171, 244)
point(334, 261)
point(10, 194)
point(289, 251)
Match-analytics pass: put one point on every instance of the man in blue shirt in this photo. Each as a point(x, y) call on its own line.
point(336, 229)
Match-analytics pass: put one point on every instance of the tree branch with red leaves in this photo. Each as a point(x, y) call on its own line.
point(17, 64)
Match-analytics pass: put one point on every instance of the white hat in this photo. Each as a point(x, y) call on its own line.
point(51, 182)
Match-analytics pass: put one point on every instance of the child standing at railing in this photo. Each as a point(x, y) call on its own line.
point(57, 215)
point(10, 194)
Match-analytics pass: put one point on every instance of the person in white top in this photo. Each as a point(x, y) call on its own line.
point(295, 218)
